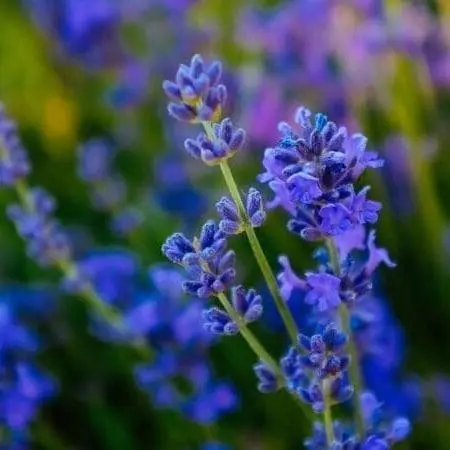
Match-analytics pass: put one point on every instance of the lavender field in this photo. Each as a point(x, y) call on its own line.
point(225, 224)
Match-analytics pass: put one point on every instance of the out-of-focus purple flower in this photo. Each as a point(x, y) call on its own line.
point(14, 164)
point(87, 33)
point(112, 273)
point(47, 242)
point(175, 193)
point(24, 386)
point(210, 403)
point(107, 188)
point(173, 328)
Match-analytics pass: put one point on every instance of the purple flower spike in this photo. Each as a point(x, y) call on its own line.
point(231, 222)
point(255, 208)
point(213, 150)
point(196, 94)
point(210, 268)
point(14, 164)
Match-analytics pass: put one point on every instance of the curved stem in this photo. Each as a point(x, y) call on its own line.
point(252, 341)
point(258, 349)
point(88, 293)
point(354, 370)
point(255, 245)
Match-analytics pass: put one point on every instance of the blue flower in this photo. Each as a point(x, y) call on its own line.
point(24, 385)
point(14, 164)
point(196, 95)
point(47, 242)
point(267, 380)
point(222, 145)
point(247, 304)
point(209, 266)
point(232, 222)
point(89, 33)
point(317, 163)
point(107, 189)
point(322, 290)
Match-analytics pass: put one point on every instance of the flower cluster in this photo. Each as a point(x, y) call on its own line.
point(381, 432)
point(220, 144)
point(47, 242)
point(24, 386)
point(312, 172)
point(169, 325)
point(232, 220)
point(14, 164)
point(208, 264)
point(196, 95)
point(247, 304)
point(211, 272)
point(108, 189)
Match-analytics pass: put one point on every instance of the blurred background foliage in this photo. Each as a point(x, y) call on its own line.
point(62, 93)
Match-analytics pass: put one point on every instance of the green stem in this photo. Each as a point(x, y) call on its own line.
point(259, 350)
point(255, 245)
point(327, 414)
point(252, 341)
point(260, 256)
point(354, 370)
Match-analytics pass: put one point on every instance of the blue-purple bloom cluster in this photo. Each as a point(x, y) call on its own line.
point(108, 190)
point(232, 222)
point(210, 269)
point(170, 325)
point(89, 33)
point(24, 386)
point(196, 94)
point(14, 164)
point(47, 243)
point(312, 171)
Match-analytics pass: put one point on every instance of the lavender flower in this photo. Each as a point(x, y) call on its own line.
point(90, 35)
point(209, 266)
point(24, 385)
point(47, 242)
point(267, 379)
point(196, 95)
point(173, 328)
point(14, 164)
point(223, 142)
point(231, 222)
point(317, 164)
point(107, 189)
point(247, 304)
